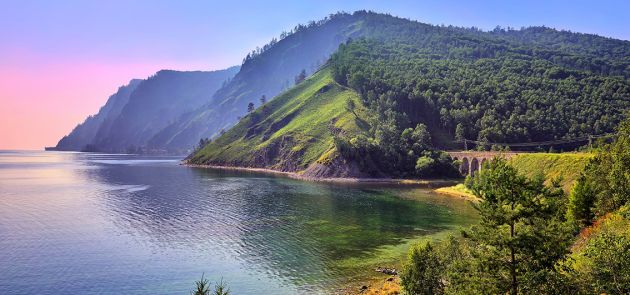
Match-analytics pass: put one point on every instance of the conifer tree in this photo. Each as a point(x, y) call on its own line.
point(522, 234)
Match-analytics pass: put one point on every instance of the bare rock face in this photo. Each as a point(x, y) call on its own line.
point(279, 155)
point(337, 168)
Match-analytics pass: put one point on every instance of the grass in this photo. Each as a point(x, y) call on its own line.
point(564, 166)
point(293, 130)
point(459, 190)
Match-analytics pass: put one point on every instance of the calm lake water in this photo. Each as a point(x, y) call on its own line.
point(77, 223)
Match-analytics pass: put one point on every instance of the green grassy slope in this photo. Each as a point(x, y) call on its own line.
point(290, 132)
point(568, 166)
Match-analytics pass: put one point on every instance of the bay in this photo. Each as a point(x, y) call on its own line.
point(85, 223)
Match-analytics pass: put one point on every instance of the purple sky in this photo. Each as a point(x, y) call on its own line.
point(60, 60)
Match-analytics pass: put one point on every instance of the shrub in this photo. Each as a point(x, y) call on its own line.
point(422, 273)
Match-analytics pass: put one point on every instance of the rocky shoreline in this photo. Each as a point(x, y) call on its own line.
point(429, 183)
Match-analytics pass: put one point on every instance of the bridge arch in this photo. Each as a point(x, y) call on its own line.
point(464, 167)
point(474, 166)
point(473, 161)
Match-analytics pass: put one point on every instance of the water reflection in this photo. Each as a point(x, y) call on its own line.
point(261, 233)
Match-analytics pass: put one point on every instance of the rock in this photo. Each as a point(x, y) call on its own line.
point(325, 88)
point(390, 279)
point(387, 271)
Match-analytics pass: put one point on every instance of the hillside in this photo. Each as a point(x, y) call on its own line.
point(266, 71)
point(566, 166)
point(500, 86)
point(292, 132)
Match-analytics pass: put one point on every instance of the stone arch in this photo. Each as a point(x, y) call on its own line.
point(474, 166)
point(464, 166)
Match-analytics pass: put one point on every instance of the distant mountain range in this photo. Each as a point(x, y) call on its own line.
point(146, 126)
point(132, 118)
point(503, 85)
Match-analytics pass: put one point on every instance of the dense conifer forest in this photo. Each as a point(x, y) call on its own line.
point(532, 84)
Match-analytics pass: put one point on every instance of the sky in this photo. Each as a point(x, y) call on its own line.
point(60, 60)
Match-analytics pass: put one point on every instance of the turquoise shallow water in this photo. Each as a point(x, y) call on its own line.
point(78, 223)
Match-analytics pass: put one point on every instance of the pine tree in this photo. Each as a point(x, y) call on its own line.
point(300, 77)
point(521, 234)
point(459, 132)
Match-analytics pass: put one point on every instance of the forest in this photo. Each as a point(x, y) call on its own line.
point(454, 84)
point(493, 86)
point(535, 239)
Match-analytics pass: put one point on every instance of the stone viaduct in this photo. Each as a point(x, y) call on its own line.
point(473, 161)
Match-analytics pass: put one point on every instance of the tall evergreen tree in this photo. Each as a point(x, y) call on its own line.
point(521, 234)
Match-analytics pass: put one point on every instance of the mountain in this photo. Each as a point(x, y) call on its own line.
point(156, 102)
point(420, 87)
point(266, 71)
point(292, 131)
point(135, 114)
point(84, 133)
point(503, 86)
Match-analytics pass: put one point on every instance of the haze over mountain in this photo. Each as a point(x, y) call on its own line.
point(133, 115)
point(266, 71)
point(85, 133)
point(504, 85)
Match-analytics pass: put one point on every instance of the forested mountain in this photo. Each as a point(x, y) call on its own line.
point(137, 112)
point(503, 86)
point(84, 133)
point(425, 86)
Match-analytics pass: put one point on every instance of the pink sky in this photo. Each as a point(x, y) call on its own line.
point(42, 100)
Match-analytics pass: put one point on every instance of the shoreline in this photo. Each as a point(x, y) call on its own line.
point(372, 283)
point(428, 183)
point(450, 192)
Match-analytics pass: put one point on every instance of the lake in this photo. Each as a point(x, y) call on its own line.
point(80, 223)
